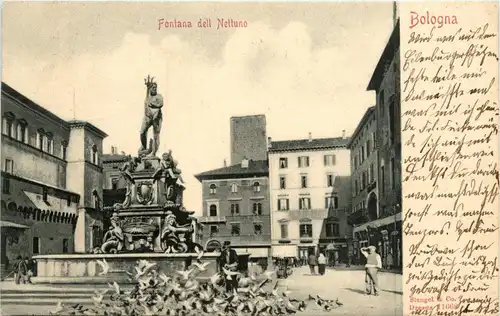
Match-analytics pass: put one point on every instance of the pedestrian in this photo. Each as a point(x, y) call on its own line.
point(20, 270)
point(390, 262)
point(29, 268)
point(373, 264)
point(312, 262)
point(228, 260)
point(321, 264)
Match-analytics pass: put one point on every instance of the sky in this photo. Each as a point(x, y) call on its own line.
point(305, 66)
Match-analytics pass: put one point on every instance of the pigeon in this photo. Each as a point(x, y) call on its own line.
point(201, 267)
point(185, 274)
point(104, 266)
point(59, 308)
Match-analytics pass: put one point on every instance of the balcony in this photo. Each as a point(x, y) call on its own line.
point(312, 214)
point(212, 219)
point(357, 218)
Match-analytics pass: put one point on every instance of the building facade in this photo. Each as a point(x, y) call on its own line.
point(310, 196)
point(114, 184)
point(364, 175)
point(51, 180)
point(248, 138)
point(384, 231)
point(236, 208)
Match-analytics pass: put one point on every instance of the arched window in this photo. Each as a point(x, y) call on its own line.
point(8, 127)
point(256, 187)
point(234, 188)
point(213, 188)
point(213, 210)
point(94, 155)
point(49, 145)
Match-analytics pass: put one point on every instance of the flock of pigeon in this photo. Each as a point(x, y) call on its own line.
point(183, 295)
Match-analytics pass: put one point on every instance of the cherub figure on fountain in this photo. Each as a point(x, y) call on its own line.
point(126, 172)
point(173, 235)
point(114, 238)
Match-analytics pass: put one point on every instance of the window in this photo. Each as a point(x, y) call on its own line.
point(356, 161)
point(328, 202)
point(392, 121)
point(214, 230)
point(68, 200)
point(381, 100)
point(213, 188)
point(304, 203)
point(213, 210)
point(282, 182)
point(305, 230)
point(64, 150)
point(65, 245)
point(21, 132)
point(257, 229)
point(329, 160)
point(283, 163)
point(234, 188)
point(5, 185)
point(39, 140)
point(50, 146)
point(393, 174)
point(6, 126)
point(368, 147)
point(36, 245)
point(335, 200)
point(93, 155)
point(303, 181)
point(332, 202)
point(356, 186)
point(283, 205)
point(332, 230)
point(235, 209)
point(363, 179)
point(303, 161)
point(45, 194)
point(329, 180)
point(257, 209)
point(9, 166)
point(96, 236)
point(372, 176)
point(235, 229)
point(382, 181)
point(374, 141)
point(256, 187)
point(362, 154)
point(114, 183)
point(284, 231)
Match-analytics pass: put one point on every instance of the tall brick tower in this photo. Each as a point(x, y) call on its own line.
point(248, 138)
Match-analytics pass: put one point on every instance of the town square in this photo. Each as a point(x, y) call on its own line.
point(250, 170)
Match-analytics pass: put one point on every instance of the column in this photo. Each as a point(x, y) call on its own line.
point(80, 232)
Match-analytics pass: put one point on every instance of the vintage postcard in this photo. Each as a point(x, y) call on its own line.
point(249, 158)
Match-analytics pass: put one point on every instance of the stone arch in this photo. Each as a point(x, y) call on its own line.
point(372, 206)
point(212, 245)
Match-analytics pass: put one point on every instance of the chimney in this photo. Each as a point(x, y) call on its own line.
point(123, 153)
point(225, 163)
point(244, 163)
point(114, 150)
point(343, 134)
point(310, 137)
point(269, 143)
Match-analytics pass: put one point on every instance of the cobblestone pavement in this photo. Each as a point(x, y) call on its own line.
point(348, 286)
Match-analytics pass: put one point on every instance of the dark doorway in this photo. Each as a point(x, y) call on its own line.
point(372, 207)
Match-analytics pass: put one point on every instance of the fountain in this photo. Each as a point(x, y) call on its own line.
point(150, 224)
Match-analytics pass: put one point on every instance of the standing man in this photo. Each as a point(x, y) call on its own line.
point(312, 262)
point(152, 117)
point(373, 264)
point(229, 261)
point(321, 264)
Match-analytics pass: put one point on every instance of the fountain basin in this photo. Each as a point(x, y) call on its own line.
point(84, 269)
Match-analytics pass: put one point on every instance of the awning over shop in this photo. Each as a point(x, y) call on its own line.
point(379, 222)
point(284, 251)
point(254, 252)
point(6, 224)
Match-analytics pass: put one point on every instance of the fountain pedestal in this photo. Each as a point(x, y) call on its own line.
point(151, 224)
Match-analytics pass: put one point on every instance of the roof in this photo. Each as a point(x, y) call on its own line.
point(11, 224)
point(90, 126)
point(362, 123)
point(387, 56)
point(16, 95)
point(255, 168)
point(107, 158)
point(308, 144)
